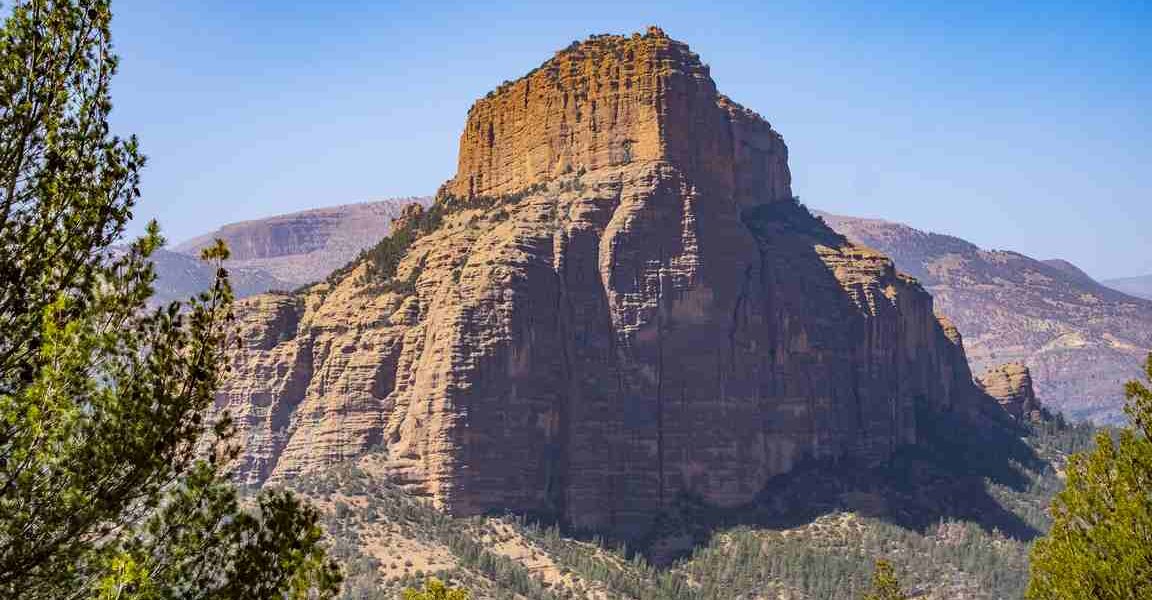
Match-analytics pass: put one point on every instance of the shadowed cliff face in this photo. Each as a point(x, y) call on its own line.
point(616, 302)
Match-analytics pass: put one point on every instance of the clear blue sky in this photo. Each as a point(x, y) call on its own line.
point(1017, 125)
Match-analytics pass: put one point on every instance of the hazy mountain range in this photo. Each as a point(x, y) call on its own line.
point(1081, 339)
point(1136, 286)
point(181, 275)
point(280, 252)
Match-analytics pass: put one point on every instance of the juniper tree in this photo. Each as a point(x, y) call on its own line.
point(111, 476)
point(1100, 544)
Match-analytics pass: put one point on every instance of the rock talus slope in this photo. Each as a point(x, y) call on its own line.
point(614, 302)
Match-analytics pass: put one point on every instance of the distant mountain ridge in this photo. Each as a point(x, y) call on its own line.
point(304, 247)
point(181, 276)
point(1136, 286)
point(1071, 270)
point(281, 252)
point(1081, 339)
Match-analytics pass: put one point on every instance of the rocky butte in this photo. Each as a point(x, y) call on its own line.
point(1010, 385)
point(615, 301)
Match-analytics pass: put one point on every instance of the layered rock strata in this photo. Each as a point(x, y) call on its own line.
point(618, 301)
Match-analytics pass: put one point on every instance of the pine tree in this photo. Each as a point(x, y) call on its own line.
point(111, 476)
point(1100, 544)
point(885, 586)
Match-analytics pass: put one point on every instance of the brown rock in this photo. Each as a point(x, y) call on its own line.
point(1011, 385)
point(646, 311)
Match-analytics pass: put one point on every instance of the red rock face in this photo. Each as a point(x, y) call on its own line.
point(650, 314)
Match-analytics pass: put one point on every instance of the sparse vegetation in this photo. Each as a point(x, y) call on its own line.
point(415, 519)
point(384, 258)
point(434, 589)
point(828, 557)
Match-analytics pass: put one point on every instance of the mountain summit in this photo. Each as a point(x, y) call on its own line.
point(615, 303)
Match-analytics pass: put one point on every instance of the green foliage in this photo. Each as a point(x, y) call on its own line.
point(1100, 544)
point(1053, 439)
point(885, 586)
point(385, 256)
point(833, 558)
point(830, 558)
point(434, 589)
point(111, 483)
point(1056, 433)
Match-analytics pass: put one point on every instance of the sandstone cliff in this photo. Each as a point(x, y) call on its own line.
point(614, 302)
point(1081, 341)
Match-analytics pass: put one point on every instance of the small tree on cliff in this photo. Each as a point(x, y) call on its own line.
point(1100, 544)
point(110, 478)
point(885, 586)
